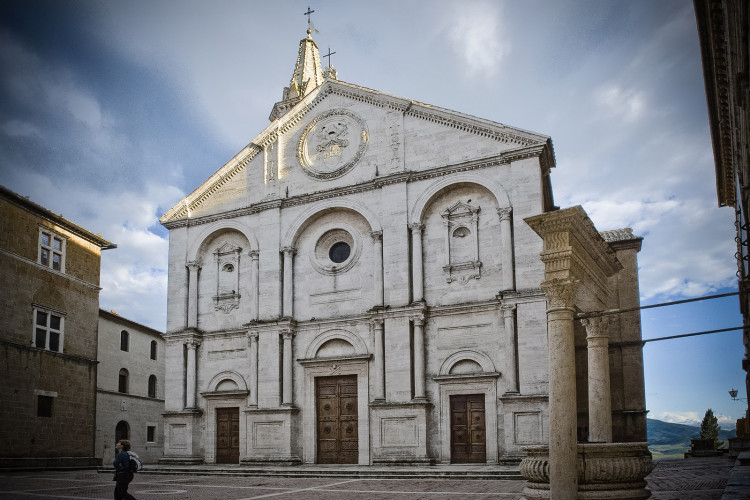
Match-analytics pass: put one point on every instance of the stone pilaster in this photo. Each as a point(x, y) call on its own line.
point(288, 302)
point(191, 373)
point(193, 270)
point(377, 250)
point(252, 339)
point(379, 368)
point(287, 394)
point(419, 359)
point(416, 262)
point(506, 250)
point(255, 294)
point(511, 348)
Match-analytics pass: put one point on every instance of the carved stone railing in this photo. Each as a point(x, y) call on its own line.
point(605, 471)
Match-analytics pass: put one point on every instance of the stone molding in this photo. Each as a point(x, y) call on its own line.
point(181, 218)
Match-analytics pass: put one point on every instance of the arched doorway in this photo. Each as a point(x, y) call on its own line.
point(122, 431)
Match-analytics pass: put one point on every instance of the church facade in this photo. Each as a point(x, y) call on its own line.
point(358, 285)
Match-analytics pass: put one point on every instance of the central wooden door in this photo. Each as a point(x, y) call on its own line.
point(468, 438)
point(336, 411)
point(227, 435)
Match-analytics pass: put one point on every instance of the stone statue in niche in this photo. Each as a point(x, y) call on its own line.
point(461, 223)
point(227, 258)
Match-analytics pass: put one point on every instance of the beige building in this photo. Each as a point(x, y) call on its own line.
point(359, 285)
point(130, 388)
point(49, 304)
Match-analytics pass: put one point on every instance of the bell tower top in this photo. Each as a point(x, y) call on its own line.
point(307, 75)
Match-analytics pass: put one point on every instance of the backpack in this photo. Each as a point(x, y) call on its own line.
point(135, 462)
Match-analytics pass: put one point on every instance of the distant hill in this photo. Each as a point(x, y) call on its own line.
point(668, 440)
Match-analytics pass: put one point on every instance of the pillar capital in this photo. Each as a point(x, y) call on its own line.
point(416, 227)
point(289, 251)
point(193, 265)
point(252, 335)
point(504, 213)
point(377, 236)
point(598, 326)
point(508, 310)
point(418, 319)
point(377, 322)
point(560, 293)
point(193, 344)
point(288, 334)
point(254, 254)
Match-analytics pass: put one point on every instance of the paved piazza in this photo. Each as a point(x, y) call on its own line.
point(671, 480)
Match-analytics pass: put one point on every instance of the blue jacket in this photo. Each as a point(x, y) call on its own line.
point(122, 462)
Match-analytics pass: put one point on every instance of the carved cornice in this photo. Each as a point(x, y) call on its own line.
point(505, 158)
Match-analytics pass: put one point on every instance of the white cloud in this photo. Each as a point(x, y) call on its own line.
point(627, 105)
point(475, 28)
point(692, 418)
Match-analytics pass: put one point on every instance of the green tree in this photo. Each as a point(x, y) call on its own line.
point(710, 428)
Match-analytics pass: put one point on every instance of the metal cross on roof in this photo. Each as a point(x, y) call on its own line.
point(310, 25)
point(329, 55)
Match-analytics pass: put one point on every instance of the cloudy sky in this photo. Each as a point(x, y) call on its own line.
point(111, 112)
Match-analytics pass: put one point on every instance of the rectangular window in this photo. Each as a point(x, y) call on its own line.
point(44, 406)
point(51, 250)
point(48, 330)
point(151, 433)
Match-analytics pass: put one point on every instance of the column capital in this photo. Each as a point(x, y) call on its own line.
point(254, 254)
point(508, 310)
point(418, 319)
point(287, 334)
point(289, 250)
point(377, 322)
point(598, 326)
point(252, 336)
point(504, 213)
point(377, 236)
point(416, 227)
point(193, 265)
point(560, 293)
point(192, 343)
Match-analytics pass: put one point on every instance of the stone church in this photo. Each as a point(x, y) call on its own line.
point(358, 285)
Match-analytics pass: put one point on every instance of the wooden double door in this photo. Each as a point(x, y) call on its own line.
point(336, 412)
point(468, 436)
point(228, 435)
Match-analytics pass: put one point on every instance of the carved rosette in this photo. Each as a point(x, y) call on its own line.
point(605, 471)
point(332, 144)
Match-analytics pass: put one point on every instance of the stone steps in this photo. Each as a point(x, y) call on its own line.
point(363, 472)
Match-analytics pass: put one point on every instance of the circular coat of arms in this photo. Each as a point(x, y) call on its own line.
point(332, 144)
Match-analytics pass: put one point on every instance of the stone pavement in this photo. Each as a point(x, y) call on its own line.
point(692, 479)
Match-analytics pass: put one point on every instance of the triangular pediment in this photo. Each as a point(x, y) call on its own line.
point(509, 137)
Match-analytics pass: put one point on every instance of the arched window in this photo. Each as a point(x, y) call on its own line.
point(122, 385)
point(152, 386)
point(122, 431)
point(124, 341)
point(153, 349)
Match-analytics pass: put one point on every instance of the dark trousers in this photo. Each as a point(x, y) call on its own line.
point(121, 487)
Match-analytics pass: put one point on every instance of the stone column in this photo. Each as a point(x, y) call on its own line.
point(511, 360)
point(419, 358)
point(191, 373)
point(377, 249)
point(252, 338)
point(288, 304)
point(255, 300)
point(287, 395)
point(563, 446)
point(600, 402)
point(416, 262)
point(506, 250)
point(379, 369)
point(193, 268)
